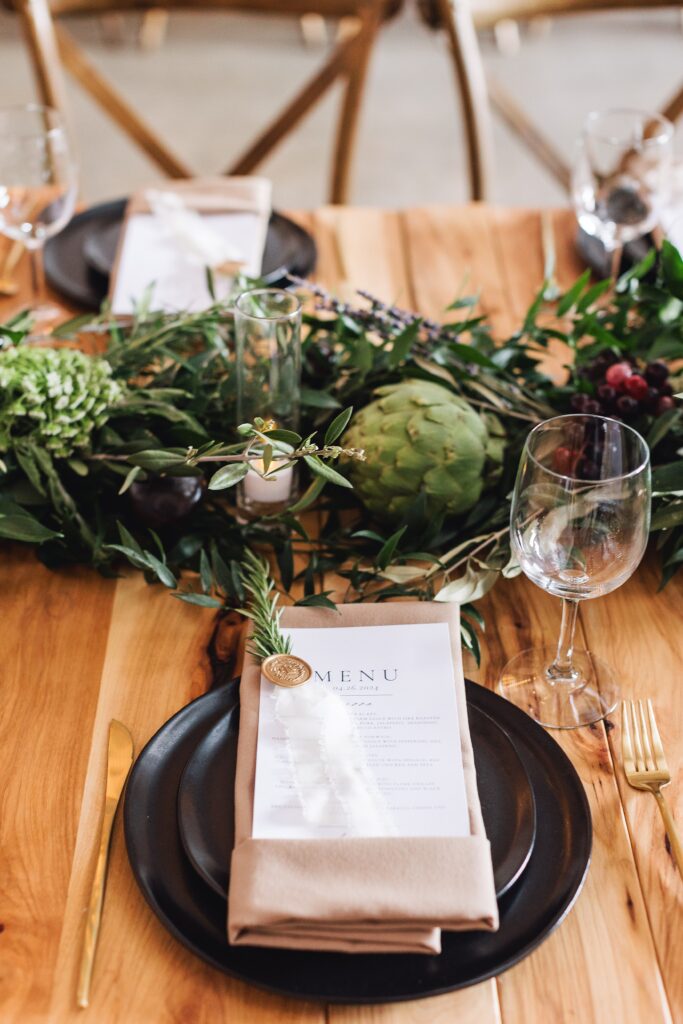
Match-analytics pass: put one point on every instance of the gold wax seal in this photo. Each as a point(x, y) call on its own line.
point(286, 670)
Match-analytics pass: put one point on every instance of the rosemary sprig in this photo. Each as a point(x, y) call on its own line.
point(262, 608)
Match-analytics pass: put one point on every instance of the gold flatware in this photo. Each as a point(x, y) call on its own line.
point(645, 765)
point(8, 284)
point(119, 760)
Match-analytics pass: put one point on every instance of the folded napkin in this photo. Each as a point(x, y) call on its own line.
point(366, 895)
point(173, 232)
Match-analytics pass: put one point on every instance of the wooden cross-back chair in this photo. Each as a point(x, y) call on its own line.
point(52, 47)
point(479, 92)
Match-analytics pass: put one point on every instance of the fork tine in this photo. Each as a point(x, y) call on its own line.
point(658, 749)
point(626, 742)
point(648, 755)
point(637, 744)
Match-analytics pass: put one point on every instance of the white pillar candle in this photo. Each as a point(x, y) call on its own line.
point(267, 490)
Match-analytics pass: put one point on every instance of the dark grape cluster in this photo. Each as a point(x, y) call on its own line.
point(623, 390)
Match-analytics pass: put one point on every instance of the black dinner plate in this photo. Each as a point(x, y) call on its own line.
point(206, 805)
point(196, 915)
point(79, 259)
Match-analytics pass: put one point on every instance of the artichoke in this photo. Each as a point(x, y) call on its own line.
point(418, 438)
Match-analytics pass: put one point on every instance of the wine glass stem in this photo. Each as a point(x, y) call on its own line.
point(563, 667)
point(615, 261)
point(37, 276)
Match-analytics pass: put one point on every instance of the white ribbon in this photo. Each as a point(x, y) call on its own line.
point(331, 775)
point(193, 233)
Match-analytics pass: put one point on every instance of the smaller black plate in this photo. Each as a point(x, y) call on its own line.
point(598, 259)
point(79, 259)
point(206, 801)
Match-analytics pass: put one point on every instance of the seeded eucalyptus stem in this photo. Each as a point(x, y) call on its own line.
point(262, 608)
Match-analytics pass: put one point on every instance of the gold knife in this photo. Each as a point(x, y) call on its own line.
point(119, 760)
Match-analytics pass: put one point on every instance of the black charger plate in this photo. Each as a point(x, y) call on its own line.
point(80, 258)
point(196, 916)
point(206, 806)
point(599, 260)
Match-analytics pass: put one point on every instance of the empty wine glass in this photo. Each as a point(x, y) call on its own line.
point(38, 185)
point(621, 178)
point(579, 525)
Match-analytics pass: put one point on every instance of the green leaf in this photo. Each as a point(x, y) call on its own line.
point(668, 477)
point(24, 527)
point(387, 550)
point(321, 468)
point(661, 426)
point(403, 343)
point(267, 457)
point(131, 476)
point(570, 297)
point(29, 465)
point(311, 494)
point(670, 515)
point(338, 426)
point(228, 476)
point(205, 573)
point(128, 540)
point(160, 570)
point(78, 467)
point(593, 294)
point(156, 461)
point(202, 600)
point(318, 399)
point(288, 436)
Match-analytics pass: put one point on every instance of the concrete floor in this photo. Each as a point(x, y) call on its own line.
point(219, 77)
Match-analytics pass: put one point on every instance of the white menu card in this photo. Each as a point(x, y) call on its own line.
point(398, 683)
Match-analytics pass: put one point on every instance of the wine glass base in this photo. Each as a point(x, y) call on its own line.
point(560, 703)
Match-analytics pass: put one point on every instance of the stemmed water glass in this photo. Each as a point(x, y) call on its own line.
point(622, 176)
point(38, 185)
point(579, 525)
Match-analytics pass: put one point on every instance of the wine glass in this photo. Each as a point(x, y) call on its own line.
point(622, 176)
point(579, 526)
point(38, 184)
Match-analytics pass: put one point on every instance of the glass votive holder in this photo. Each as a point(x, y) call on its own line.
point(268, 377)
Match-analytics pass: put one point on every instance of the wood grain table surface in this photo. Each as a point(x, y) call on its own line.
point(77, 650)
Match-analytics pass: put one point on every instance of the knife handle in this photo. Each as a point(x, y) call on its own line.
point(94, 915)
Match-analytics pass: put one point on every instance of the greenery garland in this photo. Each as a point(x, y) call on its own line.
point(110, 442)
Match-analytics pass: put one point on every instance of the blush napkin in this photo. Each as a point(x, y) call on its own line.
point(357, 895)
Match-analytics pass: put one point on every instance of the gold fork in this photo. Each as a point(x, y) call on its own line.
point(645, 765)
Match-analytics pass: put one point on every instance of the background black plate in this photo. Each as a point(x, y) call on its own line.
point(196, 916)
point(599, 260)
point(206, 806)
point(76, 257)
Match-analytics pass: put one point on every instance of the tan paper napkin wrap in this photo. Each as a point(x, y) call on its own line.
point(374, 895)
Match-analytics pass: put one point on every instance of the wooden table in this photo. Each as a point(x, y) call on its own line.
point(77, 650)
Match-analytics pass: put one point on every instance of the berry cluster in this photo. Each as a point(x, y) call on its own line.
point(620, 390)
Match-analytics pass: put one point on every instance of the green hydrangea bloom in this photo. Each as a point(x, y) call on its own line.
point(54, 397)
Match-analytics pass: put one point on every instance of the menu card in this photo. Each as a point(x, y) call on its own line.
point(398, 683)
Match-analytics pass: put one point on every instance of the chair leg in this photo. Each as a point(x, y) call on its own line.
point(116, 107)
point(347, 127)
point(39, 31)
point(456, 16)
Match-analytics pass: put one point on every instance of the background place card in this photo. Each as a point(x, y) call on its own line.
point(398, 683)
